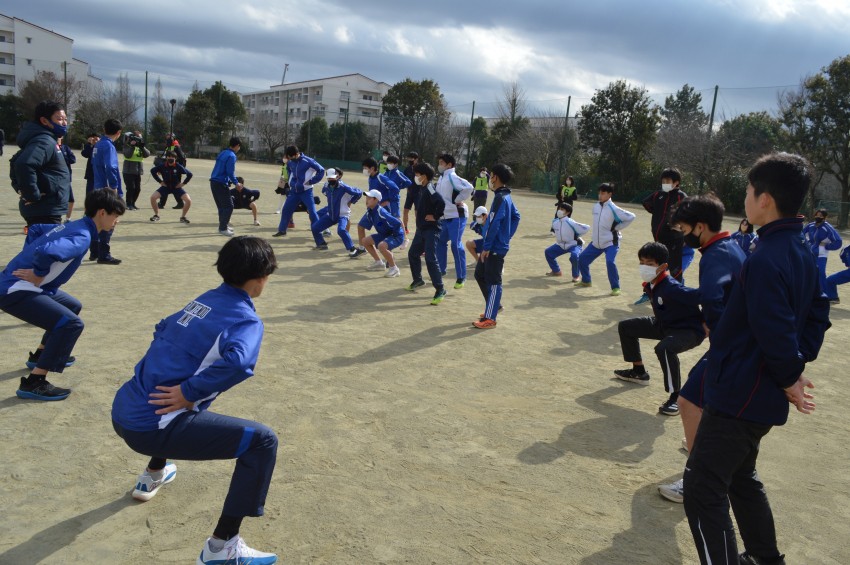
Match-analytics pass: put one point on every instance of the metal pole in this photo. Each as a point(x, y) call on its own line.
point(345, 128)
point(563, 146)
point(146, 107)
point(710, 126)
point(65, 64)
point(380, 128)
point(469, 142)
point(219, 112)
point(287, 112)
point(309, 127)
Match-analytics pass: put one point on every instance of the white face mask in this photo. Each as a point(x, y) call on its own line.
point(418, 180)
point(480, 219)
point(391, 167)
point(385, 158)
point(666, 187)
point(441, 168)
point(561, 213)
point(285, 161)
point(366, 172)
point(482, 175)
point(490, 183)
point(647, 272)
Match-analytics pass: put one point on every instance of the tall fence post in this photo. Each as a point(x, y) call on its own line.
point(710, 128)
point(563, 146)
point(220, 85)
point(287, 117)
point(65, 84)
point(146, 107)
point(469, 142)
point(309, 127)
point(380, 128)
point(345, 127)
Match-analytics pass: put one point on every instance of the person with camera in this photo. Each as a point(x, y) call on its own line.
point(172, 146)
point(134, 153)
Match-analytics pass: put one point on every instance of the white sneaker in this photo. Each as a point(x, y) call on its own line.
point(256, 222)
point(327, 233)
point(376, 266)
point(471, 265)
point(234, 552)
point(146, 487)
point(685, 444)
point(392, 272)
point(277, 211)
point(674, 492)
point(405, 244)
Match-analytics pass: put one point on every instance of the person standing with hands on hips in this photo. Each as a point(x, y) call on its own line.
point(223, 175)
point(105, 169)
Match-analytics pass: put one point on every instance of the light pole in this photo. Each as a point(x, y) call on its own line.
point(173, 102)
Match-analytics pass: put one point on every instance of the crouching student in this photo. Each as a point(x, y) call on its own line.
point(390, 234)
point(676, 325)
point(568, 240)
point(245, 198)
point(500, 227)
point(198, 353)
point(378, 182)
point(475, 246)
point(841, 277)
point(29, 288)
point(700, 219)
point(171, 182)
point(338, 211)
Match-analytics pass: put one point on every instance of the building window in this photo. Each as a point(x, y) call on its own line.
point(2, 82)
point(29, 39)
point(29, 62)
point(2, 38)
point(343, 95)
point(2, 61)
point(343, 111)
point(367, 97)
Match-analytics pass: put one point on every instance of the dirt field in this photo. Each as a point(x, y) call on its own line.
point(406, 436)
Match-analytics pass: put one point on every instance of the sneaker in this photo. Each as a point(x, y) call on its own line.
point(415, 284)
point(835, 301)
point(392, 272)
point(321, 247)
point(406, 231)
point(357, 252)
point(674, 492)
point(179, 206)
point(576, 279)
point(747, 559)
point(584, 284)
point(483, 315)
point(327, 233)
point(256, 222)
point(643, 299)
point(185, 220)
point(554, 274)
point(279, 234)
point(109, 261)
point(632, 376)
point(291, 225)
point(485, 324)
point(471, 266)
point(229, 226)
point(228, 233)
point(551, 232)
point(155, 218)
point(671, 407)
point(146, 487)
point(376, 266)
point(41, 390)
point(34, 357)
point(685, 444)
point(234, 552)
point(92, 257)
point(277, 211)
point(615, 292)
point(459, 283)
point(438, 297)
point(404, 245)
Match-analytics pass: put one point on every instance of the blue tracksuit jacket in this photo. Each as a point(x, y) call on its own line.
point(845, 256)
point(388, 189)
point(171, 176)
point(501, 224)
point(206, 348)
point(400, 180)
point(224, 170)
point(772, 326)
point(815, 234)
point(339, 197)
point(384, 222)
point(744, 241)
point(53, 252)
point(303, 170)
point(673, 306)
point(104, 165)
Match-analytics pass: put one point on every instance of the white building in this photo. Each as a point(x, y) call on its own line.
point(328, 98)
point(26, 48)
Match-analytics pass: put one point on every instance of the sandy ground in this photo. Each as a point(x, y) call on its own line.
point(406, 436)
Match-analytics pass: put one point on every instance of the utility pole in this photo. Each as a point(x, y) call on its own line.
point(146, 107)
point(286, 117)
point(220, 88)
point(563, 145)
point(710, 127)
point(65, 65)
point(309, 127)
point(345, 128)
point(469, 143)
point(380, 128)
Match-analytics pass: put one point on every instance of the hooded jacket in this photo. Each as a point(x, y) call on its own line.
point(42, 174)
point(608, 220)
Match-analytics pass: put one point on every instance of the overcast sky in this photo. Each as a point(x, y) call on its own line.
point(554, 48)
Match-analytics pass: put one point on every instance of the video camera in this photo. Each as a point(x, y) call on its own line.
point(139, 142)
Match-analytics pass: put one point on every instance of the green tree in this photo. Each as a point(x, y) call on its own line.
point(622, 124)
point(313, 138)
point(158, 128)
point(412, 110)
point(684, 108)
point(358, 141)
point(229, 113)
point(11, 117)
point(194, 119)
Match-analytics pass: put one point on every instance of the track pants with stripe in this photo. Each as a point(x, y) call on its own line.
point(721, 469)
point(204, 436)
point(224, 203)
point(488, 274)
point(671, 342)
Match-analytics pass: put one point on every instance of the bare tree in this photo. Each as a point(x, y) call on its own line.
point(160, 106)
point(47, 85)
point(512, 104)
point(544, 145)
point(272, 132)
point(119, 102)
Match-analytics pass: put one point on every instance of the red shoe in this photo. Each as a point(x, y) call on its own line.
point(291, 225)
point(553, 274)
point(406, 231)
point(485, 324)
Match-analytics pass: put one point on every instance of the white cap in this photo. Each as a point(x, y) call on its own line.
point(479, 211)
point(374, 194)
point(330, 174)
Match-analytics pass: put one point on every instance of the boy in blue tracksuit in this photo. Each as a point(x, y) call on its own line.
point(500, 227)
point(202, 351)
point(822, 238)
point(700, 219)
point(304, 172)
point(401, 181)
point(476, 246)
point(106, 175)
point(388, 190)
point(223, 175)
point(244, 198)
point(29, 289)
point(841, 277)
point(390, 234)
point(676, 324)
point(171, 182)
point(772, 326)
point(338, 211)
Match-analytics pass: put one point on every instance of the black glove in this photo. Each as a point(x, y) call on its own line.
point(580, 242)
point(280, 190)
point(317, 200)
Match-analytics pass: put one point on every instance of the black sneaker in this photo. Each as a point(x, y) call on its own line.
point(155, 218)
point(178, 207)
point(109, 261)
point(34, 357)
point(41, 390)
point(92, 257)
point(185, 220)
point(279, 234)
point(835, 301)
point(357, 253)
point(746, 559)
point(162, 203)
point(415, 284)
point(632, 376)
point(671, 407)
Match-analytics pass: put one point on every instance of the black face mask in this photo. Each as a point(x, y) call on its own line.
point(692, 240)
point(819, 220)
point(410, 163)
point(333, 182)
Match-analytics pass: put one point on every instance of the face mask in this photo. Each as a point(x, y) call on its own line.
point(333, 182)
point(418, 180)
point(60, 131)
point(666, 187)
point(692, 240)
point(568, 183)
point(818, 220)
point(366, 172)
point(391, 167)
point(561, 213)
point(385, 158)
point(490, 184)
point(647, 273)
point(169, 141)
point(441, 168)
point(482, 175)
point(170, 162)
point(410, 163)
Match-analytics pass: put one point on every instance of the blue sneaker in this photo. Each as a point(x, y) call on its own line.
point(146, 487)
point(234, 552)
point(643, 299)
point(33, 359)
point(41, 390)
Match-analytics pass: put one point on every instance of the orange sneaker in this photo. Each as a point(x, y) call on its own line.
point(485, 324)
point(553, 274)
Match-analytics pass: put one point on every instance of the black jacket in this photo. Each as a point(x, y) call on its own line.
point(430, 203)
point(659, 204)
point(87, 152)
point(43, 178)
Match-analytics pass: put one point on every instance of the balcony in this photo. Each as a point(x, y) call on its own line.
point(317, 97)
point(345, 96)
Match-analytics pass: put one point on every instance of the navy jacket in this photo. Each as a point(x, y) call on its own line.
point(719, 269)
point(413, 189)
point(43, 178)
point(659, 204)
point(501, 224)
point(384, 222)
point(673, 306)
point(171, 176)
point(70, 159)
point(429, 203)
point(86, 153)
point(243, 198)
point(772, 326)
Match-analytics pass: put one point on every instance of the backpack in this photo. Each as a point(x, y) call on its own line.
point(13, 176)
